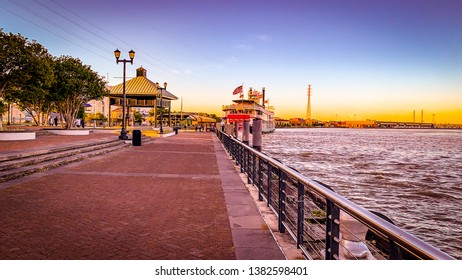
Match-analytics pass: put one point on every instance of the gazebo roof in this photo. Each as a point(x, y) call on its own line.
point(140, 85)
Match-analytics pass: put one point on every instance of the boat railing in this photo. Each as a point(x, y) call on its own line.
point(324, 224)
point(240, 107)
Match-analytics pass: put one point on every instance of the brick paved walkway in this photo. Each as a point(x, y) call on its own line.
point(162, 200)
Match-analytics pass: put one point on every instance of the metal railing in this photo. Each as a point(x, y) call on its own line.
point(324, 224)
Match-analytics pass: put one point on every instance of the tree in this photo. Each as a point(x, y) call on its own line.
point(137, 116)
point(31, 94)
point(12, 54)
point(2, 110)
point(74, 85)
point(24, 71)
point(158, 111)
point(81, 113)
point(96, 117)
point(214, 116)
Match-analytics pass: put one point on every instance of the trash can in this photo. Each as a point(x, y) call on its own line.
point(136, 140)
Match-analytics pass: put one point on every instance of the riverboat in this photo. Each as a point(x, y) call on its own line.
point(248, 109)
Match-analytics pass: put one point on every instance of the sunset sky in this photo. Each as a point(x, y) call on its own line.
point(364, 59)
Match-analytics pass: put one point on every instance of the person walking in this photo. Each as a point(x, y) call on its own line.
point(56, 120)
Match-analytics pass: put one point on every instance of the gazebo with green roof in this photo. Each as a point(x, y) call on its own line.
point(141, 92)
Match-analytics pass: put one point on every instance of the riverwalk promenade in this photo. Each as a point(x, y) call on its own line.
point(174, 198)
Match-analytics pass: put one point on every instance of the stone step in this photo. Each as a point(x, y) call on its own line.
point(60, 161)
point(45, 151)
point(31, 160)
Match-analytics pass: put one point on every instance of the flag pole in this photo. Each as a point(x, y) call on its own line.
point(241, 95)
point(181, 114)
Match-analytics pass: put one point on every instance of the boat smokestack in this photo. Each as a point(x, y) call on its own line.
point(263, 95)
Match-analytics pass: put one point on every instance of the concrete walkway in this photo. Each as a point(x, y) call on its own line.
point(174, 198)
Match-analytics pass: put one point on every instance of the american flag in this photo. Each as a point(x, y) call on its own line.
point(238, 90)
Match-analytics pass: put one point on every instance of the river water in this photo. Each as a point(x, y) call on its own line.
point(412, 176)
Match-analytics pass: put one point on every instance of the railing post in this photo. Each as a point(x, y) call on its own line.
point(231, 146)
point(234, 149)
point(300, 213)
point(332, 231)
point(242, 159)
point(260, 179)
point(228, 144)
point(282, 202)
point(238, 153)
point(247, 162)
point(254, 168)
point(270, 171)
point(241, 154)
point(225, 141)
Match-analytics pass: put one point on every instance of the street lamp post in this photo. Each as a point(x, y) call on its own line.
point(161, 105)
point(131, 53)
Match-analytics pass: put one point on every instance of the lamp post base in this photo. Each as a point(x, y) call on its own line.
point(123, 134)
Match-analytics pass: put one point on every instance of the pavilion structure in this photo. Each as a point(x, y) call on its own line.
point(141, 92)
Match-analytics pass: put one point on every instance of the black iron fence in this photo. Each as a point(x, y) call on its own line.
point(324, 224)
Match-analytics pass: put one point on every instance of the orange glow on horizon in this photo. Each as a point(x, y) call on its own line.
point(453, 116)
point(441, 109)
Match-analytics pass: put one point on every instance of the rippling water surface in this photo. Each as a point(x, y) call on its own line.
point(412, 176)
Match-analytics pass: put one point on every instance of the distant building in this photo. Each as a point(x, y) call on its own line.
point(360, 124)
point(206, 123)
point(97, 106)
point(281, 122)
point(297, 122)
point(15, 115)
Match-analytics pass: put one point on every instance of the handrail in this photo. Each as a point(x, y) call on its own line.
point(403, 239)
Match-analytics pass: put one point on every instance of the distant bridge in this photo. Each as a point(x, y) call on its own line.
point(389, 124)
point(449, 126)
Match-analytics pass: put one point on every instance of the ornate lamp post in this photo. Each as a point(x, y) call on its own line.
point(131, 53)
point(161, 105)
